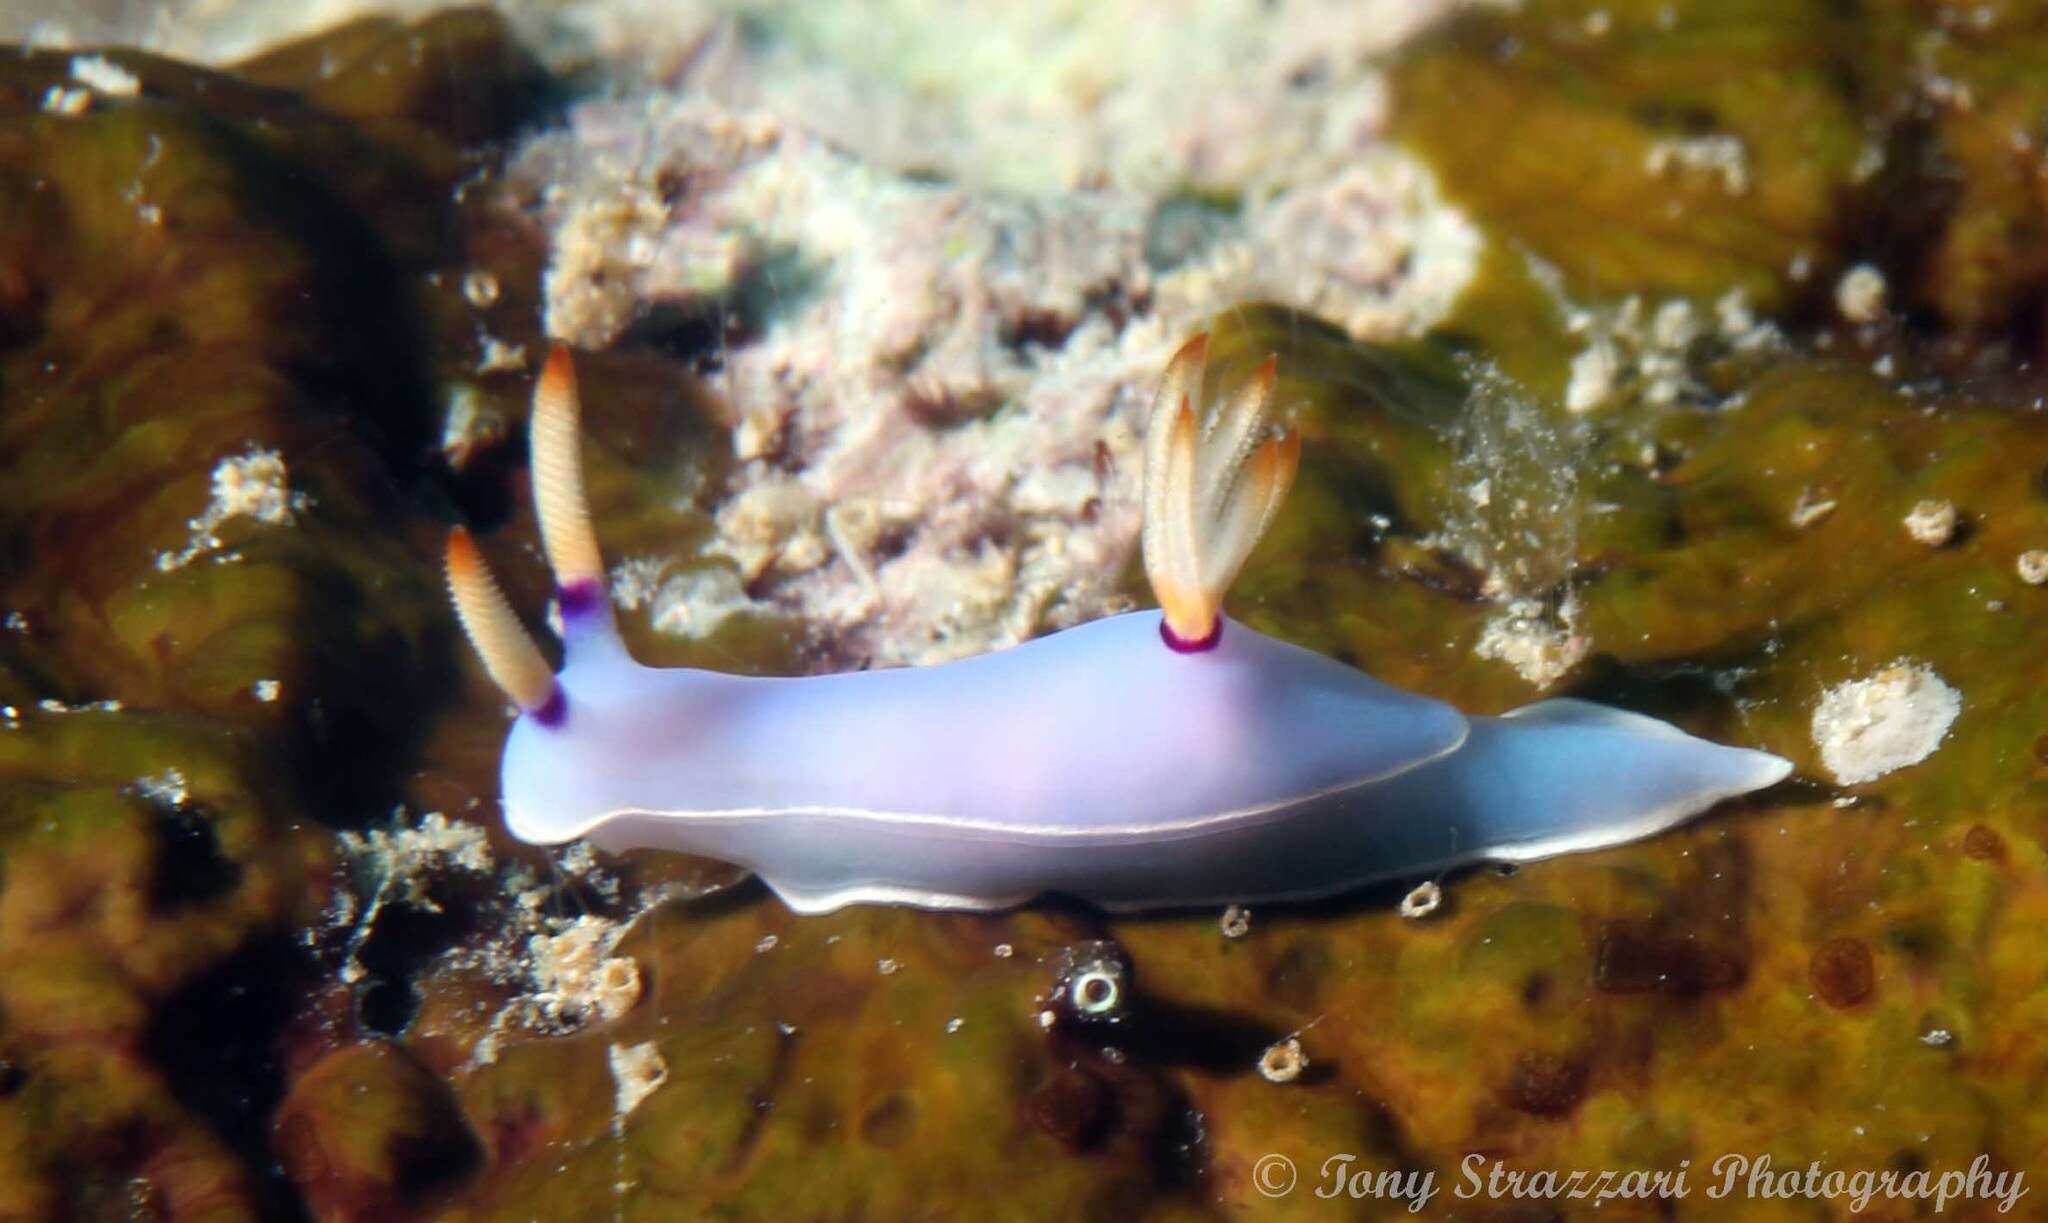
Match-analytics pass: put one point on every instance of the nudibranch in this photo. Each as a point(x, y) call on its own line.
point(1153, 759)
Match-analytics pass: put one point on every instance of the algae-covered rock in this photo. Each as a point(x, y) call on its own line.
point(1652, 147)
point(367, 1131)
point(1686, 149)
point(221, 629)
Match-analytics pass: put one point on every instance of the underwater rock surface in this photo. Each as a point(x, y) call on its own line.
point(1748, 285)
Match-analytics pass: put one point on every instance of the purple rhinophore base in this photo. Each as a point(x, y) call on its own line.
point(1181, 645)
point(578, 598)
point(553, 711)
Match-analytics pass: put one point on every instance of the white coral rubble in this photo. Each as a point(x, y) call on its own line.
point(939, 390)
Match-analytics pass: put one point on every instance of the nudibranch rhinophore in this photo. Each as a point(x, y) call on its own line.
point(1154, 759)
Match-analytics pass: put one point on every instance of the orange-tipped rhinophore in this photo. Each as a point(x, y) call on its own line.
point(1214, 478)
point(565, 530)
point(514, 662)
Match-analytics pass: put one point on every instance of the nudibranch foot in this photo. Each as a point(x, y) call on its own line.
point(1556, 777)
point(1155, 759)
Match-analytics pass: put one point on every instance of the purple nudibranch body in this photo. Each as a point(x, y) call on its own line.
point(1216, 765)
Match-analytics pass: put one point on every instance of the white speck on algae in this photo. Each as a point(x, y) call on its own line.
point(1422, 901)
point(1867, 728)
point(1859, 295)
point(1283, 1061)
point(1932, 522)
point(637, 1070)
point(251, 485)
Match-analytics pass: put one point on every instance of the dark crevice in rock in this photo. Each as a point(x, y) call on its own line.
point(216, 1041)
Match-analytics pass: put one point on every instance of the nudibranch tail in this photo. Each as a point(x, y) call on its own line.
point(1214, 478)
point(565, 529)
point(514, 662)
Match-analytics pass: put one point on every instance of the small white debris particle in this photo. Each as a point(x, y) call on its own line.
point(1932, 521)
point(266, 690)
point(766, 945)
point(1047, 1018)
point(1283, 1061)
point(1813, 506)
point(2033, 566)
point(1938, 1038)
point(1948, 91)
point(1859, 295)
point(1674, 326)
point(758, 434)
point(1593, 376)
point(71, 103)
point(692, 605)
point(1004, 951)
point(1869, 727)
point(167, 787)
point(498, 357)
point(1237, 921)
point(467, 425)
point(636, 1071)
point(252, 485)
point(1723, 155)
point(955, 1024)
point(481, 288)
point(1542, 648)
point(108, 77)
point(1422, 901)
point(248, 485)
point(575, 974)
point(15, 622)
point(1733, 315)
point(887, 967)
point(696, 604)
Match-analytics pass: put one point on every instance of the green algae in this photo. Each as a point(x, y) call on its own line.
point(1549, 124)
point(201, 273)
point(367, 1131)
